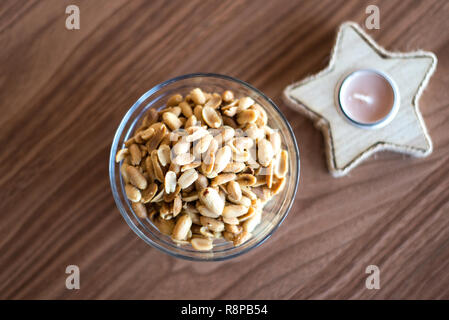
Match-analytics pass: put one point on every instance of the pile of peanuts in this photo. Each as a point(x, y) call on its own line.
point(203, 168)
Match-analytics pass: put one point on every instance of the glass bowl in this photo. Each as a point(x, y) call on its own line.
point(274, 211)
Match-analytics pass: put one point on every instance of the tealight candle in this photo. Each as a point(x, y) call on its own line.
point(368, 98)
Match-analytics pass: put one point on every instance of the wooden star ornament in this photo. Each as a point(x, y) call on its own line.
point(348, 144)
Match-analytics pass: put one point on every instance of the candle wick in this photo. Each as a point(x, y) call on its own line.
point(363, 97)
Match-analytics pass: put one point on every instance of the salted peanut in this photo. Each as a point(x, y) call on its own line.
point(149, 193)
point(246, 179)
point(175, 110)
point(251, 212)
point(212, 224)
point(191, 121)
point(160, 133)
point(223, 178)
point(136, 177)
point(182, 227)
point(190, 197)
point(242, 143)
point(234, 167)
point(241, 238)
point(165, 141)
point(121, 154)
point(208, 164)
point(245, 103)
point(201, 182)
point(195, 216)
point(275, 140)
point(246, 116)
point(165, 226)
point(244, 201)
point(187, 178)
point(201, 244)
point(233, 228)
point(139, 209)
point(229, 121)
point(250, 224)
point(132, 193)
point(203, 144)
point(227, 96)
point(158, 173)
point(169, 197)
point(228, 236)
point(226, 133)
point(232, 221)
point(159, 196)
point(149, 168)
point(195, 133)
point(183, 159)
point(136, 155)
point(186, 109)
point(150, 118)
point(171, 120)
point(192, 165)
point(231, 112)
point(147, 134)
point(143, 151)
point(247, 192)
point(177, 205)
point(214, 102)
point(170, 182)
point(234, 210)
point(262, 120)
point(206, 233)
point(222, 158)
point(261, 180)
point(198, 112)
point(152, 213)
point(212, 200)
point(198, 96)
point(190, 188)
point(175, 168)
point(163, 154)
point(282, 164)
point(205, 211)
point(165, 212)
point(181, 147)
point(123, 172)
point(230, 105)
point(234, 191)
point(243, 156)
point(254, 132)
point(174, 100)
point(265, 152)
point(278, 186)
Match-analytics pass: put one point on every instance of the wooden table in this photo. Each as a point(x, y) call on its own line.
point(63, 94)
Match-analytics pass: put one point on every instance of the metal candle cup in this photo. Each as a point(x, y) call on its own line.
point(368, 98)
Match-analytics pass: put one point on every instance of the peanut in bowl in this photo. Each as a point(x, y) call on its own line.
point(204, 167)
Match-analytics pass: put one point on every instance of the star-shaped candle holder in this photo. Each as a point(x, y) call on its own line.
point(366, 100)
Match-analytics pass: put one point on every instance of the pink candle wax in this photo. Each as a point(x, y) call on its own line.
point(367, 98)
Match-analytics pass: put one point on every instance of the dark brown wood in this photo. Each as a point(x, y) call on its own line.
point(63, 94)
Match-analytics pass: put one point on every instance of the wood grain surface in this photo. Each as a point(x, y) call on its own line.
point(63, 94)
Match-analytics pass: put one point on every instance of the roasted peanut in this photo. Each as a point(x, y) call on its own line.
point(203, 167)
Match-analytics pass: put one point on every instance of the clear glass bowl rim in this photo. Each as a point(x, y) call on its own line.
point(114, 147)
